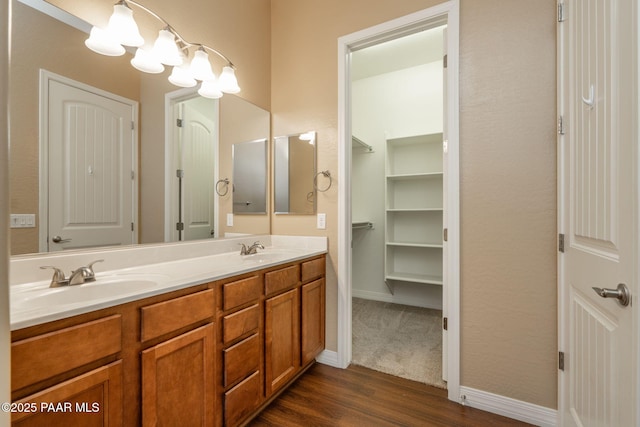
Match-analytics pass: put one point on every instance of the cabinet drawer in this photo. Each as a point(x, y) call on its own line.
point(241, 359)
point(242, 400)
point(241, 292)
point(44, 356)
point(168, 316)
point(242, 322)
point(281, 280)
point(313, 269)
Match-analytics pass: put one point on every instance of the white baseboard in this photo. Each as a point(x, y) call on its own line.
point(508, 407)
point(328, 357)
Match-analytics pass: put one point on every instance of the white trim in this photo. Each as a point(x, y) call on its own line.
point(328, 357)
point(43, 151)
point(508, 407)
point(446, 12)
point(59, 14)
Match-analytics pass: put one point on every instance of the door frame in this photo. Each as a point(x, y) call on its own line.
point(171, 99)
point(43, 150)
point(446, 12)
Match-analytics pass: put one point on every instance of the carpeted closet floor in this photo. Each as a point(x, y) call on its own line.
point(398, 339)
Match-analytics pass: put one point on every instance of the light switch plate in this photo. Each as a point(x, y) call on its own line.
point(23, 220)
point(322, 221)
point(229, 220)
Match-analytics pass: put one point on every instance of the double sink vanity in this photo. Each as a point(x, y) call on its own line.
point(174, 334)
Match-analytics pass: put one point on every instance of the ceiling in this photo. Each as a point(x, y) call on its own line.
point(404, 52)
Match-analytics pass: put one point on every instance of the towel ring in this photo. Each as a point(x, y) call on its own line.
point(327, 174)
point(226, 186)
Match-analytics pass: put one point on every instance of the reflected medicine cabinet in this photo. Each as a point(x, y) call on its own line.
point(414, 210)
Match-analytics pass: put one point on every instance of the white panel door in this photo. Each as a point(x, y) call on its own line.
point(198, 163)
point(598, 212)
point(90, 161)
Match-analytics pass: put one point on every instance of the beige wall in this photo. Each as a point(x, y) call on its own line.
point(5, 334)
point(508, 191)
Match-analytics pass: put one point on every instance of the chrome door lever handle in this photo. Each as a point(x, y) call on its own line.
point(621, 293)
point(58, 239)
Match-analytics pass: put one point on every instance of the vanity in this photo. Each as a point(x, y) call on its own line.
point(216, 339)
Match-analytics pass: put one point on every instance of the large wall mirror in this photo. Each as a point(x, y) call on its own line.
point(294, 171)
point(42, 42)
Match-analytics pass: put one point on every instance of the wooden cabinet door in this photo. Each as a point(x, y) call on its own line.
point(178, 380)
point(91, 399)
point(282, 339)
point(312, 320)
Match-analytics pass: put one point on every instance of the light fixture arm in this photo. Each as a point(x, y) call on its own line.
point(185, 43)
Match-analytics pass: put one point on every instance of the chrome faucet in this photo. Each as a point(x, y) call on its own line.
point(81, 275)
point(253, 249)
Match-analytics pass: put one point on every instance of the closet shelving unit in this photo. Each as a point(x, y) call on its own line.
point(414, 210)
point(359, 145)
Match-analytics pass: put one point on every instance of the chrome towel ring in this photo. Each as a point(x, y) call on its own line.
point(326, 174)
point(225, 187)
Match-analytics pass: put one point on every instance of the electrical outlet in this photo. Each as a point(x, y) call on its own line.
point(229, 220)
point(322, 221)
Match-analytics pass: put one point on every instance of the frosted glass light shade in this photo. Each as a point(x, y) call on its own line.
point(146, 62)
point(228, 82)
point(200, 66)
point(181, 76)
point(100, 42)
point(166, 50)
point(209, 89)
point(123, 28)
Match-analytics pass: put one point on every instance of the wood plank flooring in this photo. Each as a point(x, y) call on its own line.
point(326, 396)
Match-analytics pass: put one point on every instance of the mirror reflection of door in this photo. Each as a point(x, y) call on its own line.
point(197, 153)
point(89, 141)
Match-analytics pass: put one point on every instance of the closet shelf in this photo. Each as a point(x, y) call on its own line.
point(407, 176)
point(416, 245)
point(415, 210)
point(414, 278)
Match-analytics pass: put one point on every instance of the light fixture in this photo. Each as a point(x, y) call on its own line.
point(181, 76)
point(200, 66)
point(210, 89)
point(170, 48)
point(122, 27)
point(100, 42)
point(228, 82)
point(145, 61)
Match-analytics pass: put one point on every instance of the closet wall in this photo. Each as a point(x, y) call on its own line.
point(395, 104)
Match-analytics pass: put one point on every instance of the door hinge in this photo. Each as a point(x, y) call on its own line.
point(180, 173)
point(133, 175)
point(131, 226)
point(560, 125)
point(179, 226)
point(561, 360)
point(445, 61)
point(560, 12)
point(561, 243)
point(445, 323)
point(179, 123)
point(445, 234)
point(133, 126)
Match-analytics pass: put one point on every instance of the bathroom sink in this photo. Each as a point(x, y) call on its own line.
point(115, 285)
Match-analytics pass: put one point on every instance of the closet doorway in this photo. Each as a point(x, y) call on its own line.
point(399, 213)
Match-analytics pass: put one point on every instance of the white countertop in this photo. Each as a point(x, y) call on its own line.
point(129, 274)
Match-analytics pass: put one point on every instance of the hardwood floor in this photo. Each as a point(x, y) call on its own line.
point(326, 396)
